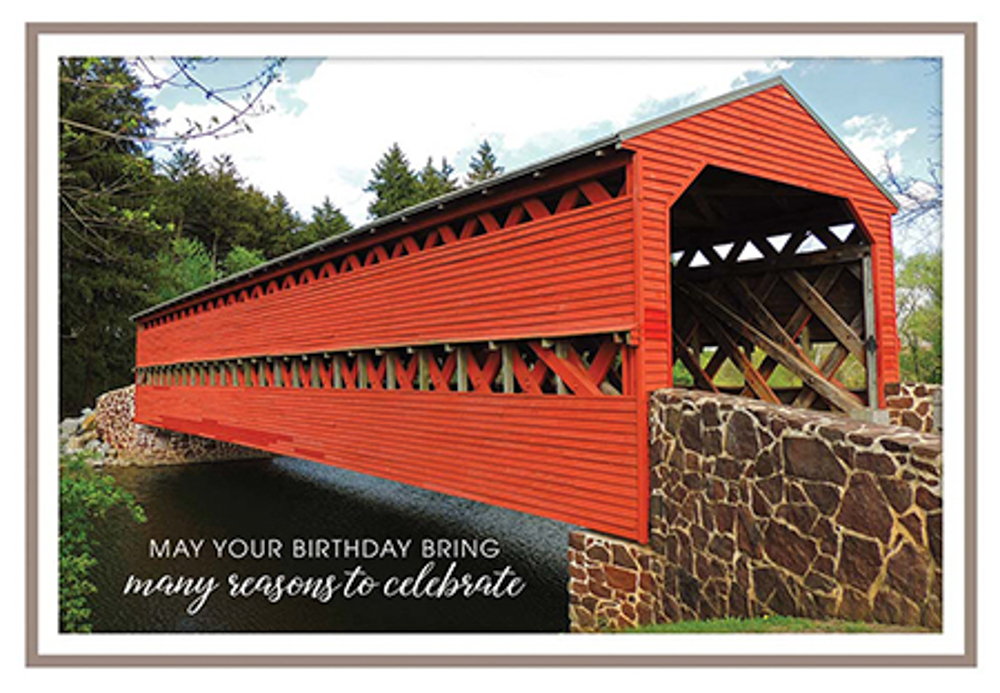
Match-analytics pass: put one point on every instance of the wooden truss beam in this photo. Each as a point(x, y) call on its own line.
point(826, 313)
point(728, 346)
point(836, 395)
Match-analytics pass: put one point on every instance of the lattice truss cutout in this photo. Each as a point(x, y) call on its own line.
point(837, 241)
point(586, 365)
point(578, 195)
point(806, 319)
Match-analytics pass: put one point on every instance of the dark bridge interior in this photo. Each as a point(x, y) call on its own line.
point(769, 292)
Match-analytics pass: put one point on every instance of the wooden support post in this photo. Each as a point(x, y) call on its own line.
point(507, 367)
point(871, 343)
point(806, 339)
point(462, 368)
point(390, 371)
point(338, 377)
point(362, 365)
point(691, 361)
point(423, 370)
point(561, 354)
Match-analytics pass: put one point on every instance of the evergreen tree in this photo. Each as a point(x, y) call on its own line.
point(327, 221)
point(183, 164)
point(181, 267)
point(483, 165)
point(108, 239)
point(436, 181)
point(282, 228)
point(395, 185)
point(240, 259)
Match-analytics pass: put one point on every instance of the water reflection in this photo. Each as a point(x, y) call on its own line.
point(285, 499)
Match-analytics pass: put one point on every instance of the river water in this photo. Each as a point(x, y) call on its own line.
point(382, 530)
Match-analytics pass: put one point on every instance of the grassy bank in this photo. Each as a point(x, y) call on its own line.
point(773, 624)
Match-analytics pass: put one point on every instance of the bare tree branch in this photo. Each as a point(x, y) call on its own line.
point(183, 78)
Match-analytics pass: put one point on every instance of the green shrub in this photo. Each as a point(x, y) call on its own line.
point(85, 498)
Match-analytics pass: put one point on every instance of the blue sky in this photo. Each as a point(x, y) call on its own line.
point(332, 119)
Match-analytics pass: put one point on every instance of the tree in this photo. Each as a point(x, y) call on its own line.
point(116, 213)
point(917, 226)
point(240, 259)
point(281, 228)
point(395, 185)
point(108, 238)
point(435, 182)
point(919, 302)
point(483, 165)
point(919, 295)
point(181, 267)
point(327, 221)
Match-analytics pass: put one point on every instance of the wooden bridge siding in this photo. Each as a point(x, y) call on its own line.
point(770, 135)
point(568, 275)
point(571, 458)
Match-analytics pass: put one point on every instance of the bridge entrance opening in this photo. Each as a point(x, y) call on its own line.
point(771, 293)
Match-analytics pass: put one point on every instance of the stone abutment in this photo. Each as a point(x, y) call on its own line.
point(758, 509)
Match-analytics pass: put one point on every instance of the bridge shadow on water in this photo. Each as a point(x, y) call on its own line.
point(285, 500)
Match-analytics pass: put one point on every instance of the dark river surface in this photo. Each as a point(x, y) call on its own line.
point(280, 501)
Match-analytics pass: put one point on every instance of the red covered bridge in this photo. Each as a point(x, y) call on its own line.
point(500, 343)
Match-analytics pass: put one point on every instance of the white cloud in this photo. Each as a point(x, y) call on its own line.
point(354, 109)
point(875, 140)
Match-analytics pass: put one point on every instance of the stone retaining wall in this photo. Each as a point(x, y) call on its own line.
point(129, 443)
point(915, 405)
point(759, 509)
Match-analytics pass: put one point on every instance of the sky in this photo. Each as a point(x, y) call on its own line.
point(331, 119)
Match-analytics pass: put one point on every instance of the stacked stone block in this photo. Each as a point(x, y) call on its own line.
point(760, 509)
point(613, 584)
point(915, 405)
point(129, 443)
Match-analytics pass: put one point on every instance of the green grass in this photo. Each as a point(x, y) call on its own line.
point(770, 624)
point(851, 373)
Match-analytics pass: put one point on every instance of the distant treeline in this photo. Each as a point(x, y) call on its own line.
point(135, 232)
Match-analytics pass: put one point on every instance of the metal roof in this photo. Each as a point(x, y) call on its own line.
point(613, 140)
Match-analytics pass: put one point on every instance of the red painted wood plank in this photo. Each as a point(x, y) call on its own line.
point(468, 464)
